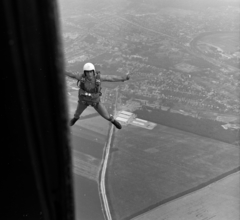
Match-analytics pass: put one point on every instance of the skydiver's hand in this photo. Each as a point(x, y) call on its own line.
point(127, 75)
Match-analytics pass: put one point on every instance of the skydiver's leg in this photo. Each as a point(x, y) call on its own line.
point(101, 109)
point(80, 108)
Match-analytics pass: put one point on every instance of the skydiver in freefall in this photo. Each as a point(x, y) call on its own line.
point(89, 93)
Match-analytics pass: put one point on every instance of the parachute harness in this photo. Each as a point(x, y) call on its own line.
point(93, 95)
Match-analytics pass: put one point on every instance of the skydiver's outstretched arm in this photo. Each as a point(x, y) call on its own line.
point(73, 75)
point(106, 78)
point(114, 78)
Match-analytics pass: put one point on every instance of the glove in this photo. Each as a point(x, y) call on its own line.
point(127, 76)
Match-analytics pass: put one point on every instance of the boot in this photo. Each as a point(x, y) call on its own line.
point(72, 121)
point(117, 124)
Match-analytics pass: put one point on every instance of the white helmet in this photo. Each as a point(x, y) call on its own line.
point(88, 67)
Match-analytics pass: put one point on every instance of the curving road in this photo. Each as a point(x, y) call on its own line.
point(104, 167)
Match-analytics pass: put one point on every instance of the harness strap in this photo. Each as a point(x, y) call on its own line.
point(97, 83)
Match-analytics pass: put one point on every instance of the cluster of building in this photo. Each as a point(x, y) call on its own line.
point(125, 118)
point(179, 90)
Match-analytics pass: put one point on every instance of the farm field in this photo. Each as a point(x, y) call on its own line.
point(150, 168)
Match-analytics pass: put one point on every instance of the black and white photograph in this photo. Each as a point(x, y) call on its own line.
point(129, 109)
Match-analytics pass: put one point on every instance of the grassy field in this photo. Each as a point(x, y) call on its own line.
point(150, 168)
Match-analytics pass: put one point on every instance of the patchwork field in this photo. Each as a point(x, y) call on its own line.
point(150, 168)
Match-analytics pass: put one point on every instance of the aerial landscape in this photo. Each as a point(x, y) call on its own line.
point(183, 59)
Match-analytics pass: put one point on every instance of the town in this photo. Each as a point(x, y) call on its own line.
point(167, 70)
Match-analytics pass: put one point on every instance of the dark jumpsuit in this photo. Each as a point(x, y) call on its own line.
point(99, 107)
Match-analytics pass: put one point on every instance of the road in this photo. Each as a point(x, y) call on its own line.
point(104, 166)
